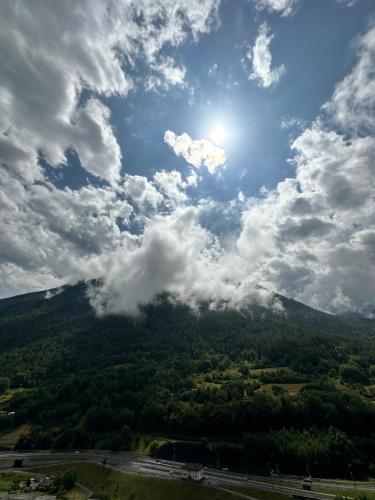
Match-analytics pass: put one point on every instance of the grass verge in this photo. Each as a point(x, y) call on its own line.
point(118, 485)
point(260, 494)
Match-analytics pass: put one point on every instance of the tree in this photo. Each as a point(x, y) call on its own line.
point(353, 374)
point(66, 480)
point(4, 384)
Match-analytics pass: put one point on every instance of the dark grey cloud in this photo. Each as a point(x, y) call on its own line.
point(305, 228)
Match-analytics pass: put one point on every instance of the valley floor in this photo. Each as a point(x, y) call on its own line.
point(130, 476)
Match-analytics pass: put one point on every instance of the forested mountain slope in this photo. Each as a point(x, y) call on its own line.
point(295, 386)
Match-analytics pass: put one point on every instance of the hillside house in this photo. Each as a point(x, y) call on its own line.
point(46, 483)
point(192, 472)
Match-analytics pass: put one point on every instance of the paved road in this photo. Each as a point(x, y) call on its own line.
point(139, 464)
point(333, 483)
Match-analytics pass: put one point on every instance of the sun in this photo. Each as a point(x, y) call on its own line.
point(218, 134)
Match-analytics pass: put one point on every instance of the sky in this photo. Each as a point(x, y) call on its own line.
point(219, 151)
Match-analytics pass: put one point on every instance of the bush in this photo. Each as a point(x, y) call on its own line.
point(66, 480)
point(4, 384)
point(282, 376)
point(352, 374)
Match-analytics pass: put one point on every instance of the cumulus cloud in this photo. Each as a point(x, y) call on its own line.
point(312, 237)
point(50, 235)
point(178, 256)
point(196, 152)
point(353, 101)
point(172, 185)
point(52, 52)
point(261, 59)
point(141, 191)
point(58, 61)
point(306, 237)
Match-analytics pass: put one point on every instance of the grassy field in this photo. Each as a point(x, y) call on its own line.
point(259, 371)
point(344, 492)
point(76, 494)
point(11, 480)
point(123, 486)
point(6, 396)
point(9, 439)
point(291, 389)
point(261, 494)
point(217, 379)
point(6, 484)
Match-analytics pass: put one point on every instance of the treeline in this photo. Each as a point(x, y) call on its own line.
point(86, 422)
point(328, 453)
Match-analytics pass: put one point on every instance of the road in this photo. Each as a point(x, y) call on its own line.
point(140, 464)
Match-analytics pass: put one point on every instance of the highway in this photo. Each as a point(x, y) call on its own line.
point(140, 464)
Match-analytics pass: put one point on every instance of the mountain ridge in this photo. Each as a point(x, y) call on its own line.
point(72, 299)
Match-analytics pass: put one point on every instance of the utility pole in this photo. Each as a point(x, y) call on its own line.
point(308, 471)
point(355, 486)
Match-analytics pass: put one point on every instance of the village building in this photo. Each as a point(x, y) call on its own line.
point(46, 483)
point(192, 472)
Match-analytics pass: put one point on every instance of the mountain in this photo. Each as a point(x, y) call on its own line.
point(266, 380)
point(51, 309)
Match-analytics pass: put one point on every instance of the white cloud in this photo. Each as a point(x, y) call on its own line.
point(52, 235)
point(95, 142)
point(51, 52)
point(353, 101)
point(140, 190)
point(313, 237)
point(57, 61)
point(172, 185)
point(292, 123)
point(167, 74)
point(306, 237)
point(261, 59)
point(284, 7)
point(196, 152)
point(176, 255)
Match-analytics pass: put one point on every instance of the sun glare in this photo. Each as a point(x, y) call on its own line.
point(218, 134)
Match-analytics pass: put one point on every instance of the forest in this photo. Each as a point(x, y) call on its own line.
point(254, 388)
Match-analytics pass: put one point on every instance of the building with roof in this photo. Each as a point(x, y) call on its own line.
point(192, 472)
